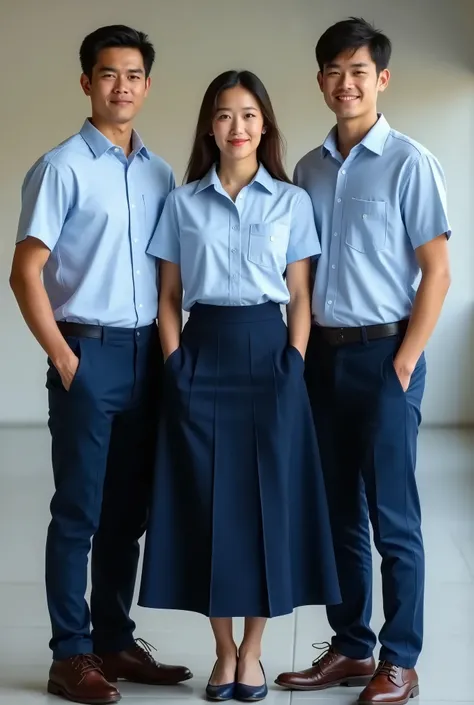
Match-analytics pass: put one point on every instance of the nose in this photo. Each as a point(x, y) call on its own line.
point(237, 125)
point(120, 85)
point(345, 81)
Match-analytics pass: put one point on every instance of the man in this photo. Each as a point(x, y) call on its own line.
point(380, 208)
point(89, 208)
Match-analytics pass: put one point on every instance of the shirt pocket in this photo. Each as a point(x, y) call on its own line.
point(366, 227)
point(268, 245)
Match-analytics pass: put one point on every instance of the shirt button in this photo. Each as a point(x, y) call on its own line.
point(233, 250)
point(343, 171)
point(235, 227)
point(272, 239)
point(117, 149)
point(329, 302)
point(335, 234)
point(364, 216)
point(333, 266)
point(138, 333)
point(235, 276)
point(339, 200)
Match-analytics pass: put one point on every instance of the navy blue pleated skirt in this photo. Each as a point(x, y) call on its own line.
point(239, 522)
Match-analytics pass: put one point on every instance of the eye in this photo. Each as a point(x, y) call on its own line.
point(223, 117)
point(360, 73)
point(250, 115)
point(134, 77)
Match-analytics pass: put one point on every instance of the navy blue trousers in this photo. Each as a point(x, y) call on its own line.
point(367, 429)
point(103, 441)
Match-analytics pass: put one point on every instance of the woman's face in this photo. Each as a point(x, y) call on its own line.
point(238, 124)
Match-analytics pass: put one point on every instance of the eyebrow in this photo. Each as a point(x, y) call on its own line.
point(114, 70)
point(230, 109)
point(353, 66)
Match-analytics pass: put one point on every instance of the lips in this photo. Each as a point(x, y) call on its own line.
point(347, 98)
point(238, 143)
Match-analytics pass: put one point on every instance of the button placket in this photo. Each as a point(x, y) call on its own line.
point(234, 259)
point(335, 241)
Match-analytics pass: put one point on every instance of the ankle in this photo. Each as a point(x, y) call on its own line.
point(227, 652)
point(250, 651)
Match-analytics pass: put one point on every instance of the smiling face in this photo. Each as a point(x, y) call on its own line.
point(238, 124)
point(118, 85)
point(350, 85)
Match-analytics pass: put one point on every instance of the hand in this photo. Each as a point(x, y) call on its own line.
point(67, 370)
point(404, 373)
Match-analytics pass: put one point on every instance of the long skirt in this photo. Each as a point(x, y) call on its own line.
point(239, 523)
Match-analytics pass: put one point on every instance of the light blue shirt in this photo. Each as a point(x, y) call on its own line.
point(372, 211)
point(96, 211)
point(235, 253)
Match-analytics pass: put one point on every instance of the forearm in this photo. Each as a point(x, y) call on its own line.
point(426, 311)
point(298, 313)
point(170, 324)
point(36, 309)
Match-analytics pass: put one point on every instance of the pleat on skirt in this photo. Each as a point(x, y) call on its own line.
point(239, 522)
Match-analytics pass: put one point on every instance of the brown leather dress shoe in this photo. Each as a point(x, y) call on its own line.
point(329, 670)
point(391, 685)
point(138, 666)
point(81, 680)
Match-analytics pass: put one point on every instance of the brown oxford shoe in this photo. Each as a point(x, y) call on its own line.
point(329, 670)
point(81, 680)
point(391, 685)
point(138, 666)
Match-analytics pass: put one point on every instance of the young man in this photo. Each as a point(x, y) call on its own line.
point(89, 208)
point(380, 208)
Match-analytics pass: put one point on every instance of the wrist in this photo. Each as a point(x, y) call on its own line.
point(63, 360)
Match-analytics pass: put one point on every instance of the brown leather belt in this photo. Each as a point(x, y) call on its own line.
point(345, 336)
point(80, 330)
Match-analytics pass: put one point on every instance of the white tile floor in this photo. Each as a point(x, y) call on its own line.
point(446, 479)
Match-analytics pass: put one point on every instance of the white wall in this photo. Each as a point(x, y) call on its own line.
point(431, 97)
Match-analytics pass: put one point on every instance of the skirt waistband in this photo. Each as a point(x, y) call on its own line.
point(205, 313)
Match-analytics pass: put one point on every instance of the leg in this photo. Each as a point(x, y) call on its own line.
point(250, 651)
point(226, 651)
point(389, 476)
point(115, 550)
point(80, 429)
point(338, 419)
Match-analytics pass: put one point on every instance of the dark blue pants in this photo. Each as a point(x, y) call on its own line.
point(367, 428)
point(103, 441)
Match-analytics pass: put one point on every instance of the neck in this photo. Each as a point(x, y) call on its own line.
point(352, 132)
point(120, 135)
point(234, 175)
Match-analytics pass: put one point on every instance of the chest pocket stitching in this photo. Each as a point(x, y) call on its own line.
point(265, 251)
point(366, 226)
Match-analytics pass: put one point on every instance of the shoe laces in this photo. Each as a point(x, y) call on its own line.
point(327, 655)
point(385, 668)
point(86, 663)
point(145, 650)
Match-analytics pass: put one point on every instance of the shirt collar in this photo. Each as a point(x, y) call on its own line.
point(262, 177)
point(374, 140)
point(99, 144)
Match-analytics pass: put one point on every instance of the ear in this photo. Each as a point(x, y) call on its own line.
point(264, 130)
point(147, 85)
point(320, 80)
point(383, 80)
point(85, 84)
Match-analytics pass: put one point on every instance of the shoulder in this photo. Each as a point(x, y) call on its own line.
point(295, 194)
point(310, 161)
point(159, 165)
point(59, 160)
point(181, 194)
point(407, 149)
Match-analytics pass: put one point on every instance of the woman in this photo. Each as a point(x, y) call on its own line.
point(239, 524)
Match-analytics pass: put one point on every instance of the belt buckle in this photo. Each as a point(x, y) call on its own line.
point(340, 336)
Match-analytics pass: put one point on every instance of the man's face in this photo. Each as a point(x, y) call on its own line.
point(118, 86)
point(350, 84)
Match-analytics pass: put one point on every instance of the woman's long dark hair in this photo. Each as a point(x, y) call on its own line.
point(205, 151)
